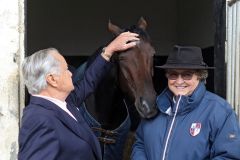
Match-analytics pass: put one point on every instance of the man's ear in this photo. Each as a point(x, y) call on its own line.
point(52, 80)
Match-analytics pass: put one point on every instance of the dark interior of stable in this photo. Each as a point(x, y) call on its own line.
point(78, 28)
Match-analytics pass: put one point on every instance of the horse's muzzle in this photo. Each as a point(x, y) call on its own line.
point(146, 109)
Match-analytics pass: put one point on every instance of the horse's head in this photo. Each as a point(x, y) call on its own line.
point(136, 70)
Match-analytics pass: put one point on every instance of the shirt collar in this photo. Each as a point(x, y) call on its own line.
point(61, 104)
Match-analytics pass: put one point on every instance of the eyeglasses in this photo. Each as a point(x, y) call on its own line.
point(185, 75)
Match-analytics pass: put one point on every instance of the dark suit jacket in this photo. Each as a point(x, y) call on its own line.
point(49, 133)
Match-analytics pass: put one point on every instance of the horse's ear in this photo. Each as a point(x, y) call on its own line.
point(114, 29)
point(142, 23)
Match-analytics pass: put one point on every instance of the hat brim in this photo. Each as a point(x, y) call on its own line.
point(183, 67)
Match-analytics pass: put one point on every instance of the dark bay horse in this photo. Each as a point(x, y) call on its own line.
point(126, 92)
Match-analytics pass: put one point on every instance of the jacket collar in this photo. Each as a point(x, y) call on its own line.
point(187, 103)
point(79, 127)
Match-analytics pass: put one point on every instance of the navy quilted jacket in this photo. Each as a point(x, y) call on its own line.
point(198, 127)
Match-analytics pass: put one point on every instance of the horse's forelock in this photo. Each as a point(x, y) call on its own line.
point(143, 34)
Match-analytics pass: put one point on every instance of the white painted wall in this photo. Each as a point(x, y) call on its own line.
point(11, 44)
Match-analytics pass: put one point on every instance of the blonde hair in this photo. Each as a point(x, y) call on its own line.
point(202, 74)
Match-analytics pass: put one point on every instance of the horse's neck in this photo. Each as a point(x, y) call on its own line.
point(108, 109)
point(91, 105)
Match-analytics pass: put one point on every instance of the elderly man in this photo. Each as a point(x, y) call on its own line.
point(192, 124)
point(52, 127)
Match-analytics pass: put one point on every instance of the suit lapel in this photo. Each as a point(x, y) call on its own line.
point(78, 127)
point(93, 139)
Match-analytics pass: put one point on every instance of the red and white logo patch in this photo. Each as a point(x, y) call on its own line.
point(195, 129)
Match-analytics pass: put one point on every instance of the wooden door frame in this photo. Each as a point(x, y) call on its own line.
point(219, 47)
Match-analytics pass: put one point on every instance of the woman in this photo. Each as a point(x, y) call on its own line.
point(193, 123)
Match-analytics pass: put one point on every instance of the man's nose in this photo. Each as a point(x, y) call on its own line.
point(70, 73)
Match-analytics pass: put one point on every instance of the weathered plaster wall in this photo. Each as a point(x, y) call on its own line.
point(11, 44)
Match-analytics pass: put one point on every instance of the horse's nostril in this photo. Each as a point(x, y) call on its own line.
point(148, 110)
point(146, 106)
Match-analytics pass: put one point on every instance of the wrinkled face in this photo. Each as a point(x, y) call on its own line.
point(136, 71)
point(182, 81)
point(64, 79)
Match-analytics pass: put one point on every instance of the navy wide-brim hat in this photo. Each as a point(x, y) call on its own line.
point(185, 57)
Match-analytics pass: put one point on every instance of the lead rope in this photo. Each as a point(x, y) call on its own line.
point(170, 130)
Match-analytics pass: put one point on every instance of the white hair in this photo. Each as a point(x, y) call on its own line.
point(36, 67)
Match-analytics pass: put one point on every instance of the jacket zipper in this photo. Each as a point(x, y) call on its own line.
point(170, 130)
